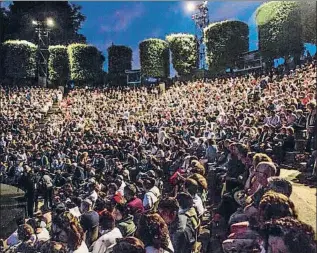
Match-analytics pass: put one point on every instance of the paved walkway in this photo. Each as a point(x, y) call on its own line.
point(304, 198)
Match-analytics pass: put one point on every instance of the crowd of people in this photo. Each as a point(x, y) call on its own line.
point(131, 170)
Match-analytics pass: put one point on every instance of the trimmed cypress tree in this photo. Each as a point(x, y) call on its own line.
point(225, 41)
point(185, 53)
point(154, 58)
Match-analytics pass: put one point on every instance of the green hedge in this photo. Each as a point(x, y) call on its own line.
point(85, 63)
point(225, 41)
point(309, 21)
point(185, 52)
point(280, 30)
point(154, 58)
point(19, 59)
point(58, 64)
point(119, 59)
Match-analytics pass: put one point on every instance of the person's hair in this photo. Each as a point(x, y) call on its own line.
point(280, 185)
point(114, 186)
point(312, 104)
point(290, 130)
point(122, 208)
point(107, 220)
point(260, 157)
point(153, 231)
point(170, 204)
point(131, 189)
point(269, 167)
point(191, 186)
point(185, 200)
point(250, 155)
point(129, 245)
point(211, 142)
point(25, 231)
point(275, 205)
point(52, 247)
point(69, 223)
point(149, 182)
point(297, 235)
point(243, 149)
point(198, 167)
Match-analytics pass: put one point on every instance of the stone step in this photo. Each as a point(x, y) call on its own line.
point(300, 145)
point(290, 157)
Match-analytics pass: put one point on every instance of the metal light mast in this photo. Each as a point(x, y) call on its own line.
point(42, 29)
point(201, 19)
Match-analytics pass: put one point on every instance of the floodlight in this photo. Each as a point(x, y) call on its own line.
point(34, 22)
point(50, 22)
point(190, 6)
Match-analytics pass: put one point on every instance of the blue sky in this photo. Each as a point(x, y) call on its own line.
point(128, 23)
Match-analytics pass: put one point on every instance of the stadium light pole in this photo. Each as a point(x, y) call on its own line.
point(200, 15)
point(42, 28)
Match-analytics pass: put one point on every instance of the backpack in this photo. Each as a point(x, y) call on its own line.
point(195, 224)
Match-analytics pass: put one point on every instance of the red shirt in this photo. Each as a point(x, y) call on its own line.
point(136, 206)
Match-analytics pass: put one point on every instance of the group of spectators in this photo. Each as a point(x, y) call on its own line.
point(131, 170)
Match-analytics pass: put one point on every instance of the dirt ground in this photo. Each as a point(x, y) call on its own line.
point(303, 197)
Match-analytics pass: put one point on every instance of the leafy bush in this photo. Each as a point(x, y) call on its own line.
point(309, 21)
point(85, 63)
point(280, 29)
point(154, 58)
point(119, 60)
point(19, 59)
point(185, 52)
point(225, 41)
point(58, 64)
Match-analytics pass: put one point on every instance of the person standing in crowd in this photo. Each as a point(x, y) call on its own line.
point(211, 151)
point(181, 229)
point(47, 189)
point(109, 234)
point(311, 126)
point(153, 231)
point(134, 204)
point(66, 229)
point(89, 221)
point(28, 183)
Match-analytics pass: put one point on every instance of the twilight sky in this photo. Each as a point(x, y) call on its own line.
point(128, 23)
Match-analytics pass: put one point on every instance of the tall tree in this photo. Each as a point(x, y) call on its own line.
point(309, 21)
point(3, 23)
point(185, 54)
point(225, 41)
point(154, 58)
point(119, 60)
point(67, 19)
point(280, 29)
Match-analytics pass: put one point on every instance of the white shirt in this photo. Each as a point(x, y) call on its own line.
point(121, 189)
point(106, 241)
point(151, 249)
point(149, 199)
point(44, 235)
point(198, 204)
point(93, 196)
point(82, 249)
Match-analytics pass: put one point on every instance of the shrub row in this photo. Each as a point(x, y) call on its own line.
point(79, 62)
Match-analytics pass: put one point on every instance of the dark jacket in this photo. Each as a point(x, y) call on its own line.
point(289, 143)
point(183, 231)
